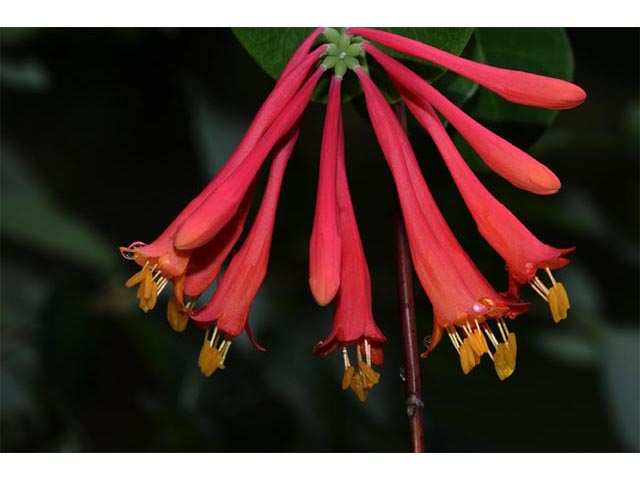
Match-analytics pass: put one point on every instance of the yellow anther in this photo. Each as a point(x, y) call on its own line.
point(562, 299)
point(369, 376)
point(501, 363)
point(468, 358)
point(177, 314)
point(348, 376)
point(136, 278)
point(512, 347)
point(558, 302)
point(358, 388)
point(504, 359)
point(212, 355)
point(364, 378)
point(478, 343)
point(209, 360)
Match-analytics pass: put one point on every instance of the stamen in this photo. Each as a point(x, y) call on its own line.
point(482, 340)
point(224, 353)
point(504, 337)
point(213, 337)
point(458, 336)
point(467, 329)
point(492, 338)
point(504, 324)
point(540, 285)
point(212, 355)
point(367, 349)
point(347, 377)
point(453, 339)
point(345, 357)
point(553, 280)
point(163, 283)
point(538, 291)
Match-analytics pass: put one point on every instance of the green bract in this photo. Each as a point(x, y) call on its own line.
point(342, 52)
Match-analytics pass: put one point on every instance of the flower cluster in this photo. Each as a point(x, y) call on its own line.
point(193, 249)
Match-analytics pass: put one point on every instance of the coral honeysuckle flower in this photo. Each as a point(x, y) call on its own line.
point(520, 249)
point(193, 249)
point(353, 322)
point(515, 86)
point(505, 159)
point(463, 300)
point(161, 260)
point(232, 300)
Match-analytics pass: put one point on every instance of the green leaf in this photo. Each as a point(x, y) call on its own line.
point(29, 216)
point(544, 51)
point(271, 48)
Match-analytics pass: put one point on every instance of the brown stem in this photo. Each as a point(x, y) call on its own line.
point(408, 320)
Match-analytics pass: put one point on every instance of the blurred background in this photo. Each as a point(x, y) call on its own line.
point(107, 134)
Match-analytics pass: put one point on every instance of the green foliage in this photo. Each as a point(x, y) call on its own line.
point(271, 48)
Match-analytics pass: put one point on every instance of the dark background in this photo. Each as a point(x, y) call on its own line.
point(107, 134)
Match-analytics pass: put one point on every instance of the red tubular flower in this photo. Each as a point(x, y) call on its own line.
point(191, 252)
point(220, 206)
point(353, 322)
point(232, 300)
point(505, 159)
point(460, 295)
point(521, 250)
point(160, 260)
point(325, 248)
point(515, 86)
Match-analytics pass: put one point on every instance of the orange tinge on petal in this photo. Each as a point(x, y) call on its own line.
point(232, 300)
point(353, 322)
point(508, 161)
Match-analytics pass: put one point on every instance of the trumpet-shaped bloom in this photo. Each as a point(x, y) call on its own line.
point(231, 302)
point(460, 295)
point(520, 249)
point(353, 322)
point(162, 258)
point(193, 250)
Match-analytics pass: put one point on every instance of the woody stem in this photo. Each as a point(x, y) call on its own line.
point(408, 319)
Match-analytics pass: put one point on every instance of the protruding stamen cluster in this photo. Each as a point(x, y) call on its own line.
point(363, 380)
point(178, 314)
point(150, 279)
point(475, 345)
point(342, 52)
point(556, 296)
point(214, 352)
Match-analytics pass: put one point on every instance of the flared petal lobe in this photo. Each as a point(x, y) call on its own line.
point(353, 323)
point(353, 316)
point(513, 85)
point(520, 249)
